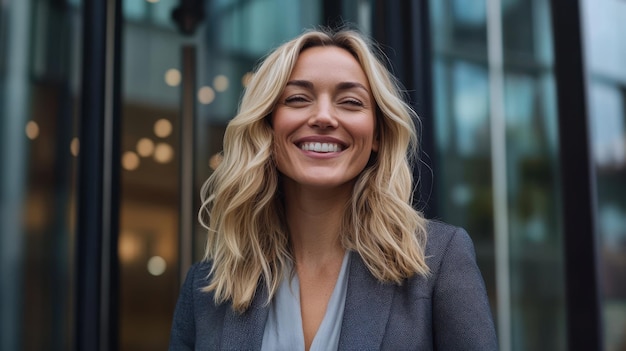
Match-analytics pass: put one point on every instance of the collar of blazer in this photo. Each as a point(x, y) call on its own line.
point(365, 316)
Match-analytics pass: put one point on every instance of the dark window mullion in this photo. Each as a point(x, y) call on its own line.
point(98, 178)
point(403, 30)
point(584, 323)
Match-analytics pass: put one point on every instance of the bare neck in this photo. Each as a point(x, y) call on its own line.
point(314, 218)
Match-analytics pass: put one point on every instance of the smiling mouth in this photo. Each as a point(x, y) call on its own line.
point(321, 147)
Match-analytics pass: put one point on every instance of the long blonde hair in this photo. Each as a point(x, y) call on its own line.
point(241, 207)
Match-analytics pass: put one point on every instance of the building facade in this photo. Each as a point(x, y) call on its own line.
point(112, 116)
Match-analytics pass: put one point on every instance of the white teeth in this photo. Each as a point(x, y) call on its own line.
point(320, 147)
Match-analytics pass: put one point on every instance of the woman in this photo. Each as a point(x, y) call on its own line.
point(313, 243)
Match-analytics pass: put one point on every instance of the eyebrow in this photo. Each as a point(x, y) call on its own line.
point(341, 86)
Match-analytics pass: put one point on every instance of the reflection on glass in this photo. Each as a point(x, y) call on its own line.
point(470, 100)
point(145, 147)
point(38, 105)
point(173, 77)
point(162, 128)
point(220, 83)
point(461, 105)
point(149, 194)
point(605, 53)
point(130, 161)
point(464, 164)
point(163, 152)
point(32, 130)
point(206, 95)
point(75, 146)
point(156, 265)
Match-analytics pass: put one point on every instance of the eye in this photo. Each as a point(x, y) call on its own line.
point(296, 99)
point(352, 102)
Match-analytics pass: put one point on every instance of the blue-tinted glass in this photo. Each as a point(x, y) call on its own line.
point(360, 13)
point(459, 26)
point(38, 104)
point(536, 262)
point(461, 105)
point(162, 12)
point(245, 27)
point(468, 24)
point(471, 107)
point(135, 9)
point(536, 259)
point(518, 27)
point(605, 54)
point(469, 13)
point(532, 312)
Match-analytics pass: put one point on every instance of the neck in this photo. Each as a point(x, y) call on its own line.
point(314, 219)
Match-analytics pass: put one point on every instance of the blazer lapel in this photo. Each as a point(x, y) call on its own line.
point(245, 331)
point(366, 311)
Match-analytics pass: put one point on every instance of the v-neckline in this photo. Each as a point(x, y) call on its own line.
point(285, 315)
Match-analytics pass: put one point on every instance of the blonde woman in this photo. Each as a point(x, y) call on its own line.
point(313, 243)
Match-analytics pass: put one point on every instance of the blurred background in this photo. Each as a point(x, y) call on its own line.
point(112, 114)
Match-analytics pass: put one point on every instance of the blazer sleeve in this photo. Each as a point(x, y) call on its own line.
point(462, 317)
point(183, 333)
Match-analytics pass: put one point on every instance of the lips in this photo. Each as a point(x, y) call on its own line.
point(320, 147)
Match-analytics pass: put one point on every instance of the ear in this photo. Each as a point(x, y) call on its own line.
point(375, 143)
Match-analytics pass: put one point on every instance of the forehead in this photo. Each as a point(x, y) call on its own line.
point(328, 63)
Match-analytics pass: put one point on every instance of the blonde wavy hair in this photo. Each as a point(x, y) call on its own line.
point(243, 210)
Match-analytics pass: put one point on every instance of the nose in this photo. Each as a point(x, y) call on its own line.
point(324, 115)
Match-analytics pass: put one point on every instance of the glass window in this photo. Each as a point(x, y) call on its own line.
point(38, 104)
point(605, 54)
point(149, 200)
point(525, 277)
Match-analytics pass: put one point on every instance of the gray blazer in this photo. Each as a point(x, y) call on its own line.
point(447, 311)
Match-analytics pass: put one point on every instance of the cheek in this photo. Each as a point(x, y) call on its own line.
point(369, 134)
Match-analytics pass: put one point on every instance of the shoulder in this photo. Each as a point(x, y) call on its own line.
point(460, 307)
point(450, 254)
point(199, 273)
point(197, 319)
point(198, 278)
point(448, 248)
point(441, 237)
point(193, 289)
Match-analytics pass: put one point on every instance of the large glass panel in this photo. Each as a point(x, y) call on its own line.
point(535, 235)
point(39, 71)
point(527, 297)
point(605, 54)
point(148, 237)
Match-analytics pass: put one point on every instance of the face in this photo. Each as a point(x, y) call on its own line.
point(324, 122)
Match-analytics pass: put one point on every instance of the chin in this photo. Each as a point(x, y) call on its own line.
point(328, 183)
